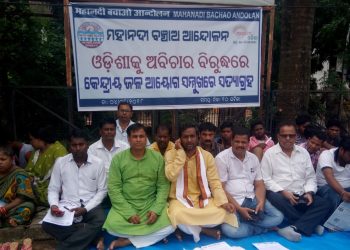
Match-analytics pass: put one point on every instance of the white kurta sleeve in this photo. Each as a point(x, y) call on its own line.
point(101, 188)
point(267, 166)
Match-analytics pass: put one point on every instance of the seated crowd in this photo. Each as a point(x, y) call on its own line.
point(240, 185)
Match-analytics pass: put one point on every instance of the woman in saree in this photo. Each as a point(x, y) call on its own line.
point(16, 193)
point(41, 162)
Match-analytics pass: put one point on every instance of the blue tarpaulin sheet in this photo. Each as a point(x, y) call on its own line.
point(328, 241)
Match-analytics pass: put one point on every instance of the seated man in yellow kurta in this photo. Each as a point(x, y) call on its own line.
point(197, 199)
point(162, 137)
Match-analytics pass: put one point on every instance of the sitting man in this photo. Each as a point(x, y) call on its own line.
point(333, 131)
point(240, 175)
point(162, 143)
point(22, 150)
point(197, 200)
point(124, 114)
point(315, 138)
point(105, 148)
point(259, 142)
point(78, 182)
point(108, 145)
point(290, 181)
point(302, 121)
point(226, 133)
point(333, 174)
point(138, 190)
point(207, 132)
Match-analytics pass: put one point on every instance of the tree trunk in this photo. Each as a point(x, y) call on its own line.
point(297, 19)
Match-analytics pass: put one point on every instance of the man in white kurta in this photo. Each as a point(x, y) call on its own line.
point(78, 182)
point(290, 182)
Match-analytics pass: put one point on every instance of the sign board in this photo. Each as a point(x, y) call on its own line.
point(165, 56)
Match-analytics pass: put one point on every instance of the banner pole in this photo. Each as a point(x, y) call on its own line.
point(67, 43)
point(269, 55)
point(262, 65)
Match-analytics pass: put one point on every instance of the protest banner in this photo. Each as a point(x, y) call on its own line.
point(165, 56)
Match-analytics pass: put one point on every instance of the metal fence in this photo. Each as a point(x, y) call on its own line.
point(40, 105)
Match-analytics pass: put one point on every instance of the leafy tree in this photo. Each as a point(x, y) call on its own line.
point(15, 27)
point(332, 20)
point(31, 53)
point(331, 28)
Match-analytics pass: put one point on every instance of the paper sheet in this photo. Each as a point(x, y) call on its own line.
point(269, 246)
point(219, 246)
point(65, 220)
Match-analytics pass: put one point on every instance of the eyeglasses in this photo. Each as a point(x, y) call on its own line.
point(288, 136)
point(124, 111)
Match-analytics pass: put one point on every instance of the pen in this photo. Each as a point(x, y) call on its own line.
point(66, 208)
point(81, 203)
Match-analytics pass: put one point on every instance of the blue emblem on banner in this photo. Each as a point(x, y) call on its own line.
point(90, 35)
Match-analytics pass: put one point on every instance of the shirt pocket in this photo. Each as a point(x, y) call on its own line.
point(300, 169)
point(248, 174)
point(90, 184)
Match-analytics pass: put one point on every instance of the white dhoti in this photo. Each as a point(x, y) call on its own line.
point(147, 240)
point(194, 230)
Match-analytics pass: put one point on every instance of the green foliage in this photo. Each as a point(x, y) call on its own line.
point(316, 109)
point(332, 20)
point(334, 82)
point(328, 102)
point(31, 53)
point(31, 48)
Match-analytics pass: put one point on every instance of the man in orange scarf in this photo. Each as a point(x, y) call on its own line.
point(197, 199)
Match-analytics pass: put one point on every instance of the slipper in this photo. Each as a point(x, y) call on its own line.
point(27, 244)
point(5, 246)
point(14, 246)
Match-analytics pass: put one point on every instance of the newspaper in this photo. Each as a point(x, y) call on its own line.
point(340, 219)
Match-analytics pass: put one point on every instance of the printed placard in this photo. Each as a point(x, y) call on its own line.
point(170, 57)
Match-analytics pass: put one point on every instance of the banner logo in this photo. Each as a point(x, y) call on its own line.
point(90, 34)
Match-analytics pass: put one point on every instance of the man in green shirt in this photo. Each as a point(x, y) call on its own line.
point(138, 190)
